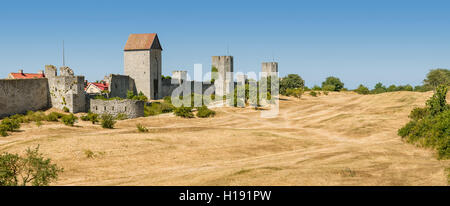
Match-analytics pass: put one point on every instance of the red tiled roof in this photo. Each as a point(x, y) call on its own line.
point(101, 86)
point(26, 75)
point(142, 42)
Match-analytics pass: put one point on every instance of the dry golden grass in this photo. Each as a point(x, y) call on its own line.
point(339, 139)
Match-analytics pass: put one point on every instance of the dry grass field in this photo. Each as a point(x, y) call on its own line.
point(338, 139)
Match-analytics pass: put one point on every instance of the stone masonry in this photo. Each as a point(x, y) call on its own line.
point(20, 95)
point(223, 84)
point(131, 108)
point(66, 90)
point(142, 62)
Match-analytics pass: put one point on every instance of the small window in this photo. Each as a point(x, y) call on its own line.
point(125, 109)
point(112, 108)
point(96, 108)
point(105, 108)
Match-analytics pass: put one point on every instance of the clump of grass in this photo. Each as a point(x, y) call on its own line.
point(92, 117)
point(313, 93)
point(121, 116)
point(448, 175)
point(185, 112)
point(89, 153)
point(107, 121)
point(156, 108)
point(347, 172)
point(243, 171)
point(39, 123)
point(69, 119)
point(53, 117)
point(141, 128)
point(204, 112)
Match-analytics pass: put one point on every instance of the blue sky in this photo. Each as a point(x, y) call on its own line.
point(395, 42)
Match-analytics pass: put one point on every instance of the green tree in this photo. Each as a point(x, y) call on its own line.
point(379, 88)
point(291, 81)
point(362, 89)
point(392, 88)
point(437, 77)
point(32, 169)
point(336, 82)
point(437, 103)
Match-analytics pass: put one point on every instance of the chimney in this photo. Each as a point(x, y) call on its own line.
point(21, 71)
point(40, 72)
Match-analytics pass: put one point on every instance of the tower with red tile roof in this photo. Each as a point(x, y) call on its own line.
point(142, 62)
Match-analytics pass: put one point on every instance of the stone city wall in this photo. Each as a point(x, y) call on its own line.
point(21, 95)
point(131, 108)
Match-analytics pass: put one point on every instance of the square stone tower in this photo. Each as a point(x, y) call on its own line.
point(224, 65)
point(179, 76)
point(269, 67)
point(142, 62)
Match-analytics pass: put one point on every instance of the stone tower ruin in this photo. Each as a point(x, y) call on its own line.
point(142, 62)
point(224, 83)
point(269, 67)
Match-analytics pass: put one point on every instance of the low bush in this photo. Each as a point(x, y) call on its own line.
point(141, 128)
point(20, 118)
point(296, 92)
point(10, 124)
point(313, 93)
point(430, 126)
point(92, 117)
point(185, 112)
point(69, 119)
point(3, 131)
point(204, 112)
point(53, 117)
point(418, 113)
point(38, 116)
point(107, 121)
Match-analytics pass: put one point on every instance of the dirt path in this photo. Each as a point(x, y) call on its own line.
point(339, 139)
